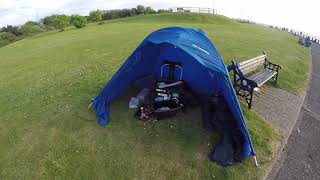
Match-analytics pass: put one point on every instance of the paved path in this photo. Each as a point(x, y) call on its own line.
point(281, 109)
point(301, 157)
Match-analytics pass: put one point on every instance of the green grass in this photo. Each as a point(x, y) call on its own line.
point(47, 81)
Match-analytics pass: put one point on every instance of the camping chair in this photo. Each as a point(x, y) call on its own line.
point(171, 75)
point(174, 69)
point(170, 82)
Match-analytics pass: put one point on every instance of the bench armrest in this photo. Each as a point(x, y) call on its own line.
point(230, 67)
point(272, 66)
point(245, 81)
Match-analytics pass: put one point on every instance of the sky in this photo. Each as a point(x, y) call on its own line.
point(294, 14)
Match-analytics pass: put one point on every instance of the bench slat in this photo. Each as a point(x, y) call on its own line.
point(252, 60)
point(250, 68)
point(258, 74)
point(251, 65)
point(262, 81)
point(263, 76)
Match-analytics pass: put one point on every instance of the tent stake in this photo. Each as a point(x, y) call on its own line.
point(255, 160)
point(90, 105)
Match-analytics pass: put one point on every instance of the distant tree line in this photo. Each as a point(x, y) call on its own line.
point(122, 13)
point(12, 33)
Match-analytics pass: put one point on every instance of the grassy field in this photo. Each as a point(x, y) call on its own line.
point(47, 81)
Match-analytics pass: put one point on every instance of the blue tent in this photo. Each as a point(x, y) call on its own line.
point(203, 71)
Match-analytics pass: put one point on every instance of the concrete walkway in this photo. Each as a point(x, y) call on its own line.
point(301, 157)
point(281, 109)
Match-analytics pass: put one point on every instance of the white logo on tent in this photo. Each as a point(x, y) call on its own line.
point(201, 49)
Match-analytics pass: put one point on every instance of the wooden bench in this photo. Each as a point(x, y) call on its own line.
point(247, 78)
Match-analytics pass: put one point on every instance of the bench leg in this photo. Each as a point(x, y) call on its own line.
point(247, 96)
point(250, 100)
point(275, 78)
point(246, 92)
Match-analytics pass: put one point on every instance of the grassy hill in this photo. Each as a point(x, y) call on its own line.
point(47, 81)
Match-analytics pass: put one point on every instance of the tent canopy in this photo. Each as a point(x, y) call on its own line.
point(203, 71)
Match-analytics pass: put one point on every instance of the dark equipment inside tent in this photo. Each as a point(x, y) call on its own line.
point(176, 67)
point(166, 96)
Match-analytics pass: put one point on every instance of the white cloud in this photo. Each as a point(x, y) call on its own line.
point(296, 14)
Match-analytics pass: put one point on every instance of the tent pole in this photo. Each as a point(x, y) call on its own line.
point(255, 160)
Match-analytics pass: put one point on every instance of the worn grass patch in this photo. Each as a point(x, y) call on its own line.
point(47, 81)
